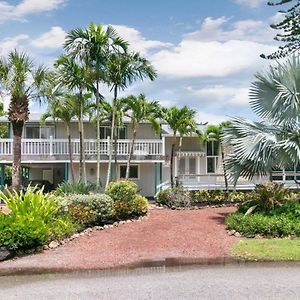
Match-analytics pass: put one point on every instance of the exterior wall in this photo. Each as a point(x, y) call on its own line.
point(145, 181)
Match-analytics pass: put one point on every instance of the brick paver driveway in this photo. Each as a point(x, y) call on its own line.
point(165, 234)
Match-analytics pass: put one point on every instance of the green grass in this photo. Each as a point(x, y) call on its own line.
point(267, 249)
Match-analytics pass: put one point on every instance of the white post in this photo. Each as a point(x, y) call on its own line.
point(198, 168)
point(51, 145)
point(163, 148)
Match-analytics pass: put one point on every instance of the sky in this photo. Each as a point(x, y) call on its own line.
point(206, 52)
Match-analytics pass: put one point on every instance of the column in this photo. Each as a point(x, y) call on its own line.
point(66, 172)
point(155, 178)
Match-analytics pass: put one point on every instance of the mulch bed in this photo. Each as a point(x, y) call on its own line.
point(164, 234)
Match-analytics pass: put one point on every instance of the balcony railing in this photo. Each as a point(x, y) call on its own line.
point(60, 147)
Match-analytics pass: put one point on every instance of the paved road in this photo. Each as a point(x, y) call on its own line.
point(229, 282)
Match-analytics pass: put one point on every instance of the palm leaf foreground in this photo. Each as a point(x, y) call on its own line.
point(257, 148)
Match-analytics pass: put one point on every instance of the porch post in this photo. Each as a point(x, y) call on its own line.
point(2, 175)
point(198, 168)
point(160, 173)
point(66, 172)
point(155, 178)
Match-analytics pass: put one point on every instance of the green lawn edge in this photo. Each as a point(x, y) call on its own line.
point(267, 249)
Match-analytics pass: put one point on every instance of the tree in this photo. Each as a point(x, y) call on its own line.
point(139, 110)
point(181, 121)
point(23, 81)
point(122, 70)
point(213, 133)
point(289, 29)
point(93, 46)
point(74, 77)
point(62, 109)
point(257, 148)
point(3, 127)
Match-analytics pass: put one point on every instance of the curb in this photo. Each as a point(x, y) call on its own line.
point(151, 264)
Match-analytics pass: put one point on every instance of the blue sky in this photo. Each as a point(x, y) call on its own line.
point(206, 52)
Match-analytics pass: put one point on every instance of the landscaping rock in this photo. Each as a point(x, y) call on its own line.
point(231, 232)
point(53, 245)
point(237, 234)
point(4, 254)
point(46, 247)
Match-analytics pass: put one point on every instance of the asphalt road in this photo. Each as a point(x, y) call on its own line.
point(229, 282)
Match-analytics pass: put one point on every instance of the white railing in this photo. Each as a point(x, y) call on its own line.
point(46, 147)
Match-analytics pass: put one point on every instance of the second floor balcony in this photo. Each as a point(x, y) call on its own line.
point(58, 149)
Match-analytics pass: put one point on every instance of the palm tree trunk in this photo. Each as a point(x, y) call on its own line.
point(98, 138)
point(83, 148)
point(116, 152)
point(130, 153)
point(224, 169)
point(171, 162)
point(80, 150)
point(111, 140)
point(70, 152)
point(16, 165)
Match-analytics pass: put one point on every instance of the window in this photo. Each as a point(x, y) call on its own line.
point(105, 132)
point(133, 171)
point(39, 132)
point(212, 156)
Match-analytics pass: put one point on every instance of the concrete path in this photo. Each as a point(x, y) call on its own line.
point(171, 234)
point(231, 282)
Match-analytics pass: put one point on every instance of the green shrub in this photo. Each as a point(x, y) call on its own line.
point(215, 197)
point(22, 232)
point(81, 188)
point(33, 219)
point(123, 193)
point(140, 205)
point(91, 209)
point(271, 195)
point(176, 197)
point(63, 227)
point(122, 190)
point(275, 226)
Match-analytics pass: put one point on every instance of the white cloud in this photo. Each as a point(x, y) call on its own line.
point(202, 59)
point(52, 39)
point(251, 3)
point(214, 51)
point(26, 7)
point(8, 44)
point(224, 95)
point(203, 117)
point(137, 41)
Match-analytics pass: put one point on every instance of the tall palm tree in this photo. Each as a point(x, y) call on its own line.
point(139, 110)
point(74, 78)
point(93, 46)
point(23, 81)
point(257, 148)
point(61, 109)
point(122, 70)
point(181, 121)
point(213, 133)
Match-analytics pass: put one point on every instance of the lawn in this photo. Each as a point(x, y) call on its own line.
point(267, 249)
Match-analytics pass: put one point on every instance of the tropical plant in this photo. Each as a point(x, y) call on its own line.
point(74, 77)
point(3, 127)
point(181, 121)
point(23, 81)
point(122, 70)
point(213, 134)
point(139, 110)
point(62, 110)
point(93, 47)
point(289, 29)
point(257, 148)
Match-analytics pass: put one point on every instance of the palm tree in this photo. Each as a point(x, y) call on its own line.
point(23, 81)
point(257, 148)
point(213, 134)
point(62, 110)
point(181, 121)
point(138, 109)
point(93, 46)
point(122, 70)
point(74, 78)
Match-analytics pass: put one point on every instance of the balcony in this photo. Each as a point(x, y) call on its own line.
point(58, 150)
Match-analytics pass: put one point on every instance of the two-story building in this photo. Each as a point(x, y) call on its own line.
point(45, 156)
